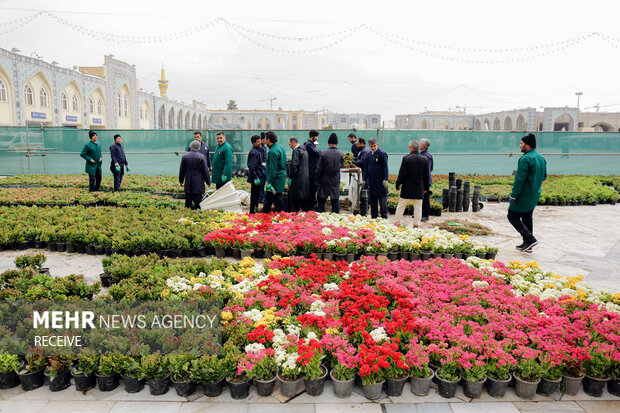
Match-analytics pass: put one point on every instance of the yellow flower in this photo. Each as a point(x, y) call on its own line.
point(227, 315)
point(274, 272)
point(532, 264)
point(165, 293)
point(464, 237)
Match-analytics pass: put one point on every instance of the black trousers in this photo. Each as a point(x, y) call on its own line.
point(218, 186)
point(335, 205)
point(118, 177)
point(94, 181)
point(382, 201)
point(297, 204)
point(311, 195)
point(255, 191)
point(522, 221)
point(273, 199)
point(192, 201)
point(426, 204)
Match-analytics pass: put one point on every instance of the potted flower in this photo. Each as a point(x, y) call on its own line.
point(448, 378)
point(260, 366)
point(527, 375)
point(9, 366)
point(154, 368)
point(574, 371)
point(238, 381)
point(419, 372)
point(613, 385)
point(131, 373)
point(32, 373)
point(343, 372)
point(397, 372)
point(491, 252)
point(179, 367)
point(498, 374)
point(310, 357)
point(289, 370)
point(597, 368)
point(107, 379)
point(59, 372)
point(373, 362)
point(84, 371)
point(552, 366)
point(473, 371)
point(207, 371)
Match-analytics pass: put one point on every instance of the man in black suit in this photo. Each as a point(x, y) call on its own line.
point(298, 176)
point(413, 177)
point(313, 159)
point(195, 174)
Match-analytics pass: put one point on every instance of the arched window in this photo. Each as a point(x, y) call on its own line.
point(43, 97)
point(99, 107)
point(91, 105)
point(119, 101)
point(75, 103)
point(146, 113)
point(28, 95)
point(126, 105)
point(63, 101)
point(141, 113)
point(3, 97)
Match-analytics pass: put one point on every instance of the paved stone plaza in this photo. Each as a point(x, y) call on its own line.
point(573, 240)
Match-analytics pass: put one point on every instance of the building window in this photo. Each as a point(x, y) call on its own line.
point(29, 96)
point(126, 105)
point(119, 101)
point(63, 101)
point(141, 113)
point(146, 113)
point(75, 103)
point(91, 105)
point(99, 107)
point(3, 97)
point(43, 97)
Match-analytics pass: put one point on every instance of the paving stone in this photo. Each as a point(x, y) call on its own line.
point(329, 398)
point(495, 407)
point(150, 407)
point(30, 406)
point(601, 406)
point(73, 406)
point(281, 408)
point(348, 408)
point(434, 408)
point(548, 407)
point(195, 407)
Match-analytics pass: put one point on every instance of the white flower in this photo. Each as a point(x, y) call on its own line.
point(480, 284)
point(254, 348)
point(330, 287)
point(379, 334)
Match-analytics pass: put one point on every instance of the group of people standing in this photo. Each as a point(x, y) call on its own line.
point(91, 153)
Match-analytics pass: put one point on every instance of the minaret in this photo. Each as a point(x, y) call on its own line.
point(163, 83)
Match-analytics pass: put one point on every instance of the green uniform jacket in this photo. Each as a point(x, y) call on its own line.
point(531, 172)
point(276, 167)
point(92, 151)
point(222, 164)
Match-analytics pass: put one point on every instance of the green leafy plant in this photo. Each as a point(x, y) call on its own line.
point(529, 369)
point(108, 364)
point(87, 364)
point(30, 260)
point(59, 364)
point(448, 371)
point(179, 367)
point(9, 362)
point(207, 369)
point(35, 362)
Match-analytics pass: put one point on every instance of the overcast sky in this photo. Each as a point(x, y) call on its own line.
point(357, 69)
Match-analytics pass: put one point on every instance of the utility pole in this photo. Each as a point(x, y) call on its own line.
point(578, 94)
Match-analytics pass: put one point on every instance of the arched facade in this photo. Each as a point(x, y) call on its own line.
point(477, 125)
point(96, 109)
point(144, 115)
point(497, 125)
point(171, 119)
point(71, 113)
point(7, 115)
point(508, 124)
point(521, 124)
point(123, 110)
point(37, 96)
point(564, 123)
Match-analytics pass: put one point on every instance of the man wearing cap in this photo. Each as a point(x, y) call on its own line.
point(313, 158)
point(327, 175)
point(118, 161)
point(91, 152)
point(275, 174)
point(531, 172)
point(194, 174)
point(222, 161)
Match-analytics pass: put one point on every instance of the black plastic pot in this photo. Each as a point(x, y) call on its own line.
point(60, 382)
point(392, 256)
point(239, 391)
point(89, 249)
point(236, 253)
point(315, 387)
point(395, 386)
point(473, 389)
point(106, 280)
point(31, 381)
point(184, 388)
point(52, 246)
point(447, 389)
point(613, 387)
point(220, 252)
point(8, 380)
point(265, 388)
point(496, 388)
point(594, 386)
point(84, 383)
point(157, 387)
point(132, 384)
point(107, 383)
point(71, 247)
point(547, 387)
point(213, 389)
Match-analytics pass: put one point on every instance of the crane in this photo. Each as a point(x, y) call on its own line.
point(271, 99)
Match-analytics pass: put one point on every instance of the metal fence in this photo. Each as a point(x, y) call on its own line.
point(153, 152)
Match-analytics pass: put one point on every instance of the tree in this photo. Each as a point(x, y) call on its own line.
point(232, 105)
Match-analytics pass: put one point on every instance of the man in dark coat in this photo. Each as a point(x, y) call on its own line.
point(375, 174)
point(298, 176)
point(91, 152)
point(256, 172)
point(264, 150)
point(118, 161)
point(275, 174)
point(195, 174)
point(327, 175)
point(526, 190)
point(204, 148)
point(313, 158)
point(413, 177)
point(354, 147)
point(362, 153)
point(426, 202)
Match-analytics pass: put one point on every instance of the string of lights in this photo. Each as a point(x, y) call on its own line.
point(18, 23)
point(292, 38)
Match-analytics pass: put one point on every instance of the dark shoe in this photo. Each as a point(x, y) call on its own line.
point(520, 247)
point(528, 247)
point(424, 218)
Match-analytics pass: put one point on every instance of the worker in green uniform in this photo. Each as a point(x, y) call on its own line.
point(91, 152)
point(531, 172)
point(222, 162)
point(275, 175)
